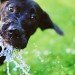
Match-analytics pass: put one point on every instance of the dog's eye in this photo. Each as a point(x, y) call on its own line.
point(33, 16)
point(11, 9)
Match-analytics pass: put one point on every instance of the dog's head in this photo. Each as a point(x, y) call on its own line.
point(20, 19)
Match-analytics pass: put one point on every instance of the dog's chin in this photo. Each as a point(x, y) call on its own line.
point(18, 42)
point(19, 45)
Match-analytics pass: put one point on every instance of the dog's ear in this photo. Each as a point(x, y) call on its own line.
point(45, 23)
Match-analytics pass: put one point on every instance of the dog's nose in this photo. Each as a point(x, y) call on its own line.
point(14, 33)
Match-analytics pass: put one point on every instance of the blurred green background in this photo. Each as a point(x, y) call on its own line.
point(47, 53)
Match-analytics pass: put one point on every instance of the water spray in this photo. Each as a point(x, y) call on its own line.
point(8, 54)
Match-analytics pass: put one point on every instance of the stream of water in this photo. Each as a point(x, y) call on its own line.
point(15, 56)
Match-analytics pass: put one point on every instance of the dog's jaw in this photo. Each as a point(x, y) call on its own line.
point(18, 42)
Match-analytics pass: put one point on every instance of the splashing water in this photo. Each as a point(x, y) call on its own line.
point(11, 56)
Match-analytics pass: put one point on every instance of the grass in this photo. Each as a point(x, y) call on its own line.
point(47, 53)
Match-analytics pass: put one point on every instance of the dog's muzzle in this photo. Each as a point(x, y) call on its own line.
point(13, 33)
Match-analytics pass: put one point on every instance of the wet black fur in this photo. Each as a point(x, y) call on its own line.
point(26, 18)
point(23, 22)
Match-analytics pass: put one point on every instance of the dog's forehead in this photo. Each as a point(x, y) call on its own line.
point(18, 0)
point(16, 3)
point(10, 0)
point(21, 3)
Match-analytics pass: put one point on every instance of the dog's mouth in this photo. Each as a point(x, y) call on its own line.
point(14, 34)
point(16, 40)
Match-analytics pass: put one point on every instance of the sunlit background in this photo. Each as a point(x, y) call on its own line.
point(48, 53)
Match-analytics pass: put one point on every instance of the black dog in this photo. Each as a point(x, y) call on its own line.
point(20, 20)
